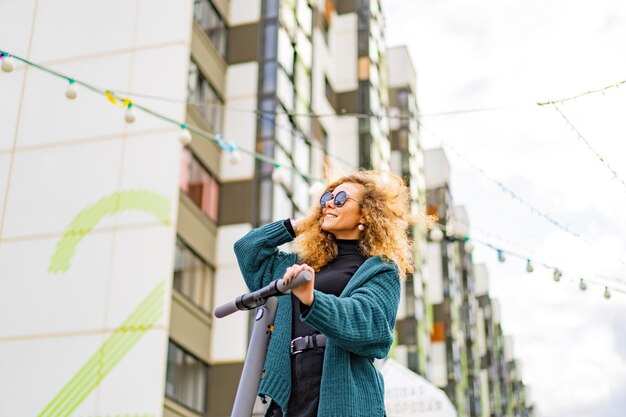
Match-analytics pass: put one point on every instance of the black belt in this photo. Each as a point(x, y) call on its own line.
point(300, 344)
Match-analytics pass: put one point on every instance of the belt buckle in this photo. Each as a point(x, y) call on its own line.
point(291, 347)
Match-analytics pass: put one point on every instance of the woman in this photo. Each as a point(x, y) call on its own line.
point(328, 333)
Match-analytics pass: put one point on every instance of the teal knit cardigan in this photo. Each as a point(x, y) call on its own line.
point(358, 325)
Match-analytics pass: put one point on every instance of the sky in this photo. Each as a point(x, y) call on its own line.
point(509, 55)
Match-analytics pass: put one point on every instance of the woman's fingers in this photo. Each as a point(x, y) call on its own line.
point(287, 277)
point(291, 272)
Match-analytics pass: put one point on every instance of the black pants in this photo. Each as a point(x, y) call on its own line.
point(306, 375)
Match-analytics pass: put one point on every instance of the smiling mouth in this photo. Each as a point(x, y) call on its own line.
point(330, 215)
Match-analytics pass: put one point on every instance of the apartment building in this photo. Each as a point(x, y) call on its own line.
point(470, 358)
point(113, 279)
point(412, 326)
point(111, 268)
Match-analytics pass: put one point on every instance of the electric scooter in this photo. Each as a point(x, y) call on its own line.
point(265, 302)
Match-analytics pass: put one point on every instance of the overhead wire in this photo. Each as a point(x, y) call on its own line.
point(589, 147)
point(217, 139)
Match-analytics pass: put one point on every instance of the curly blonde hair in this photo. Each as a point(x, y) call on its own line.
point(386, 212)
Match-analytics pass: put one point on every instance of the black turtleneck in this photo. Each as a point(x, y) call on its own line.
point(332, 278)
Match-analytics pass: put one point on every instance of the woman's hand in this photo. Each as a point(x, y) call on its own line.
point(303, 292)
point(298, 226)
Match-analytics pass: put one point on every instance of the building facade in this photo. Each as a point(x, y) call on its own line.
point(132, 250)
point(407, 161)
point(470, 357)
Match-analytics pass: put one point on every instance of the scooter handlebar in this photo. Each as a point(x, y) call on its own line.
point(257, 298)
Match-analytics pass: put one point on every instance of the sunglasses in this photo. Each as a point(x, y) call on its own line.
point(339, 200)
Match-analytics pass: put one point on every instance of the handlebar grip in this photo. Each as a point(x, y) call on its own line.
point(299, 279)
point(258, 297)
point(226, 309)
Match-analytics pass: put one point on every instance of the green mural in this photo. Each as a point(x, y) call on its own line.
point(114, 348)
point(136, 325)
point(126, 415)
point(139, 200)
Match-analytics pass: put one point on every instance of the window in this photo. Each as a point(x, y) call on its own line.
point(211, 22)
point(403, 99)
point(186, 381)
point(202, 94)
point(199, 185)
point(193, 277)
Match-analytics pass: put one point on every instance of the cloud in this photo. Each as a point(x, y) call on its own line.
point(501, 54)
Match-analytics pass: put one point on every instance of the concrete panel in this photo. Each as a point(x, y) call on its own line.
point(190, 328)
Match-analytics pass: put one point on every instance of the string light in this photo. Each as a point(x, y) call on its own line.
point(7, 62)
point(7, 65)
point(513, 195)
point(234, 157)
point(449, 229)
point(607, 293)
point(586, 142)
point(387, 115)
point(436, 234)
point(185, 135)
point(130, 116)
point(230, 147)
point(599, 90)
point(71, 92)
point(469, 247)
point(557, 273)
point(279, 175)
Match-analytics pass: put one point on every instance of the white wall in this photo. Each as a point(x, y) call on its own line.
point(400, 68)
point(343, 48)
point(69, 173)
point(434, 278)
point(436, 168)
point(244, 11)
point(240, 119)
point(229, 334)
point(437, 366)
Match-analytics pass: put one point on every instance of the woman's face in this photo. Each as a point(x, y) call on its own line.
point(343, 221)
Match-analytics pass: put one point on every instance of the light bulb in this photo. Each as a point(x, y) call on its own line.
point(501, 257)
point(185, 136)
point(7, 63)
point(557, 275)
point(436, 234)
point(582, 285)
point(235, 157)
point(450, 229)
point(529, 266)
point(71, 92)
point(130, 115)
point(279, 176)
point(607, 293)
point(469, 247)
